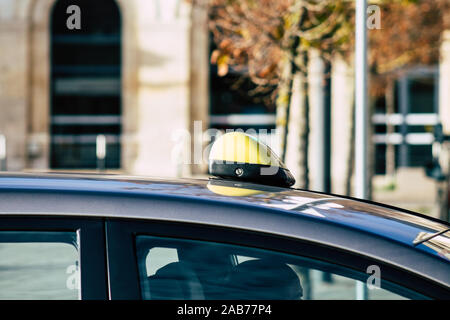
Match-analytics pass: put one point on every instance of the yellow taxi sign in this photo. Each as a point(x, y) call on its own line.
point(239, 156)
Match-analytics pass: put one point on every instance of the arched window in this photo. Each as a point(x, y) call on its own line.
point(85, 84)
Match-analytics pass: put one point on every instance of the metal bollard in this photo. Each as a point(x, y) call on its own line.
point(2, 152)
point(101, 152)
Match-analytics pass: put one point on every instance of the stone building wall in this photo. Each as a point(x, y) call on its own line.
point(156, 83)
point(14, 79)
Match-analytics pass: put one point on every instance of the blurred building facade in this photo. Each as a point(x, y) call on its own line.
point(127, 74)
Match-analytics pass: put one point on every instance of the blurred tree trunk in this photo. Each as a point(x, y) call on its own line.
point(283, 105)
point(304, 136)
point(285, 88)
point(390, 148)
point(370, 148)
point(297, 152)
point(351, 153)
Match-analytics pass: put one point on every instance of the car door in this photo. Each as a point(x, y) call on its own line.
point(164, 260)
point(47, 257)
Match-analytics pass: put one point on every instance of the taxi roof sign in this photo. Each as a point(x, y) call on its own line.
point(239, 156)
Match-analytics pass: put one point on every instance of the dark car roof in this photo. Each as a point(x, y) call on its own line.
point(388, 222)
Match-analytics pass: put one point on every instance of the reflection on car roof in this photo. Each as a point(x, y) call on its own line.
point(368, 217)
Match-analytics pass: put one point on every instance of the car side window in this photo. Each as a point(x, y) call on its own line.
point(39, 265)
point(320, 285)
point(158, 257)
point(208, 270)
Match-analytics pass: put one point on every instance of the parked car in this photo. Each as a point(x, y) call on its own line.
point(107, 237)
point(68, 236)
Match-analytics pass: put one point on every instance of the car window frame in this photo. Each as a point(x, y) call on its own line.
point(124, 277)
point(92, 246)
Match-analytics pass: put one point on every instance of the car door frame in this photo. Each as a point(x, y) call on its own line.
point(92, 248)
point(124, 276)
